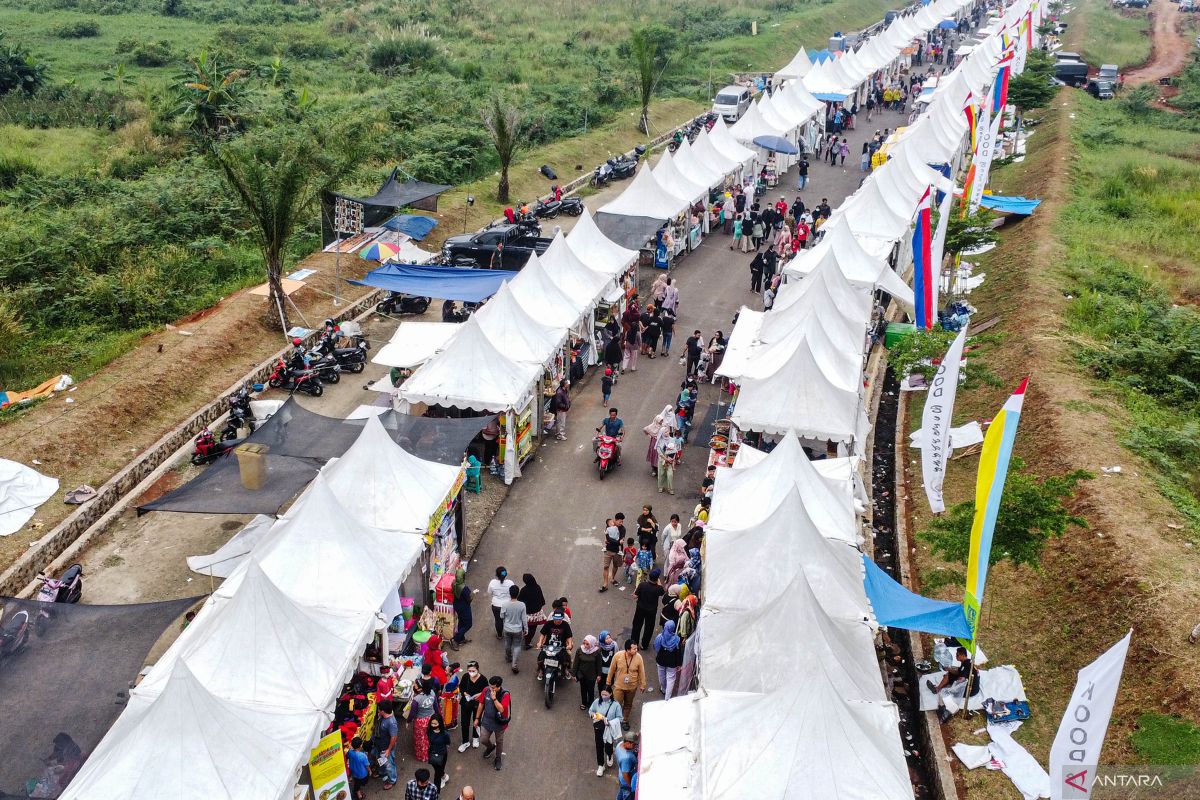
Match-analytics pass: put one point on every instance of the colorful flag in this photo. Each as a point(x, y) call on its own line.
point(1000, 86)
point(924, 270)
point(969, 111)
point(935, 423)
point(989, 138)
point(989, 487)
point(938, 249)
point(1076, 750)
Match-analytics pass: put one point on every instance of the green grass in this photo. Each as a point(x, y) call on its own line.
point(1107, 35)
point(1162, 739)
point(57, 151)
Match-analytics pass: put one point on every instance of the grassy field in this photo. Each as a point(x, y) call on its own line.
point(1106, 35)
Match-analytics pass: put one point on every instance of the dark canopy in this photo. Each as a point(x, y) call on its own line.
point(393, 195)
point(448, 283)
point(72, 678)
point(630, 232)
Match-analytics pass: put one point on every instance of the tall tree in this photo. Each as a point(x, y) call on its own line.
point(510, 132)
point(649, 48)
point(278, 174)
point(19, 71)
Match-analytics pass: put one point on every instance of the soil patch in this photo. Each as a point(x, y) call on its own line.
point(1170, 48)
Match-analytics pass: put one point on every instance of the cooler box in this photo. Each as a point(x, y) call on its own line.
point(444, 592)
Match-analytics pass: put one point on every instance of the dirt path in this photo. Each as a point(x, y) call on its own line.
point(1170, 49)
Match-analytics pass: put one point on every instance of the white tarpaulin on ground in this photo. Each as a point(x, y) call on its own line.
point(22, 490)
point(391, 488)
point(513, 328)
point(227, 558)
point(472, 373)
point(840, 246)
point(597, 250)
point(646, 197)
point(414, 343)
point(187, 743)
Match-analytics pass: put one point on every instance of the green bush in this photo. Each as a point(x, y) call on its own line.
point(81, 29)
point(19, 71)
point(152, 54)
point(13, 168)
point(405, 51)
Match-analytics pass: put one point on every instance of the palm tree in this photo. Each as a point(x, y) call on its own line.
point(644, 50)
point(278, 175)
point(510, 132)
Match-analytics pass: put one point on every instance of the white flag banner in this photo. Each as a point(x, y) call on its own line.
point(1076, 750)
point(937, 250)
point(935, 423)
point(989, 139)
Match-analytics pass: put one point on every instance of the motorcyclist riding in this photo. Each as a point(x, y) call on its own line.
point(557, 629)
point(613, 426)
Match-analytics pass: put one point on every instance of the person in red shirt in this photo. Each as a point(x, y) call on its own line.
point(782, 207)
point(801, 240)
point(385, 687)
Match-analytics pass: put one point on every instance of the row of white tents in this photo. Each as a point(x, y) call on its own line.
point(234, 706)
point(790, 701)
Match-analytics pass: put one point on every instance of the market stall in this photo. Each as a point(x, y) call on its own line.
point(604, 255)
point(674, 181)
point(635, 217)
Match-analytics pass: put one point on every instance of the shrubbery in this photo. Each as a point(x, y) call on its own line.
point(81, 29)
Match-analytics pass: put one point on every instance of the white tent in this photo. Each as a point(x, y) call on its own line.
point(473, 373)
point(747, 495)
point(723, 142)
point(227, 558)
point(646, 197)
point(798, 67)
point(789, 108)
point(597, 250)
point(578, 281)
point(839, 247)
point(696, 170)
point(22, 490)
point(186, 744)
point(824, 85)
point(391, 488)
point(414, 343)
point(537, 292)
point(513, 328)
point(844, 309)
point(669, 176)
point(670, 733)
point(841, 473)
point(870, 215)
point(753, 124)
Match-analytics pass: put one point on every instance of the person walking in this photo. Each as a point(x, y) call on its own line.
point(667, 446)
point(802, 173)
point(424, 706)
point(493, 716)
point(757, 229)
point(756, 272)
point(695, 345)
point(462, 609)
point(668, 656)
point(633, 339)
point(612, 355)
point(420, 787)
point(667, 317)
point(671, 297)
point(562, 404)
point(606, 725)
point(498, 591)
point(586, 669)
point(608, 649)
point(737, 233)
point(606, 386)
point(647, 596)
point(864, 162)
point(843, 151)
point(671, 533)
point(533, 598)
point(627, 675)
point(439, 751)
point(627, 766)
point(516, 625)
point(359, 767)
point(470, 693)
point(651, 330)
point(386, 734)
point(612, 563)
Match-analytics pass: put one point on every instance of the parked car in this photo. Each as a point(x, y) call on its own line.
point(1063, 55)
point(731, 102)
point(498, 247)
point(1109, 72)
point(1072, 73)
point(1137, 3)
point(1100, 89)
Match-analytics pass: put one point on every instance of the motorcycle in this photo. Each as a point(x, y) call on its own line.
point(14, 633)
point(551, 669)
point(451, 312)
point(353, 358)
point(607, 449)
point(66, 589)
point(207, 448)
point(571, 206)
point(296, 380)
point(624, 167)
point(601, 176)
point(676, 140)
point(400, 303)
point(328, 369)
point(240, 415)
point(547, 209)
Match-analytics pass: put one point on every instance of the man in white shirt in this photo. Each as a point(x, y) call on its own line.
point(498, 591)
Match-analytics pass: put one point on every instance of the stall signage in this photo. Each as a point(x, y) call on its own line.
point(435, 520)
point(327, 768)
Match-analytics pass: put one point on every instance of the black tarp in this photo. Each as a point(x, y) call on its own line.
point(70, 679)
point(393, 195)
point(633, 233)
point(299, 441)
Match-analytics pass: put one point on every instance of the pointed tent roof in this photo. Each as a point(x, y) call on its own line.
point(773, 117)
point(840, 247)
point(869, 214)
point(828, 294)
point(754, 124)
point(676, 182)
point(837, 362)
point(262, 648)
point(515, 331)
point(539, 293)
point(725, 142)
point(579, 282)
point(798, 67)
point(823, 84)
point(695, 170)
point(790, 109)
point(645, 196)
point(802, 98)
point(472, 373)
point(705, 151)
point(597, 250)
point(748, 495)
point(185, 742)
point(393, 490)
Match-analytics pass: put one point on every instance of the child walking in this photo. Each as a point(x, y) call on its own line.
point(630, 554)
point(606, 384)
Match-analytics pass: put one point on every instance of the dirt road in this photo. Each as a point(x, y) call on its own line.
point(1171, 47)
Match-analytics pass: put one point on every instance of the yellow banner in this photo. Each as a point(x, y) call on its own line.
point(327, 767)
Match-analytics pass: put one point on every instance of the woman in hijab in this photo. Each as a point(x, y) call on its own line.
point(668, 655)
point(691, 573)
point(671, 297)
point(531, 595)
point(587, 670)
point(424, 706)
point(659, 289)
point(608, 649)
point(433, 655)
point(606, 722)
point(686, 608)
point(716, 349)
point(652, 430)
point(669, 612)
point(677, 559)
point(462, 609)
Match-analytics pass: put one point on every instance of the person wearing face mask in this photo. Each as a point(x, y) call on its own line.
point(471, 687)
point(587, 670)
point(498, 591)
point(606, 725)
point(439, 751)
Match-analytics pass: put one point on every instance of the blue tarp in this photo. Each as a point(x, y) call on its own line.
point(830, 97)
point(1010, 205)
point(776, 144)
point(447, 283)
point(412, 225)
point(898, 607)
point(819, 55)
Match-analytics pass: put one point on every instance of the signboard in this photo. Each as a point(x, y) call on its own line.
point(347, 216)
point(327, 768)
point(435, 521)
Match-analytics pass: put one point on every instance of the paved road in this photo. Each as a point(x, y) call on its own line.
point(551, 524)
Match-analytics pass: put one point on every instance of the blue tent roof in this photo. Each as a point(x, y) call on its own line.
point(898, 607)
point(832, 97)
point(448, 283)
point(415, 226)
point(1010, 205)
point(820, 55)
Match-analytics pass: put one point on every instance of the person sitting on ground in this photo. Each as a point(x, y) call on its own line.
point(950, 680)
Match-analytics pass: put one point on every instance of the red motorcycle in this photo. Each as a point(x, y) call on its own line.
point(209, 448)
point(608, 453)
point(295, 380)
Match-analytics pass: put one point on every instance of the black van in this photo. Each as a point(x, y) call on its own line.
point(1072, 73)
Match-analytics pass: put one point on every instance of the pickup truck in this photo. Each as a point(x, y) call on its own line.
point(497, 247)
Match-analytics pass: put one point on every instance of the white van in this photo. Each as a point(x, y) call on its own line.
point(731, 102)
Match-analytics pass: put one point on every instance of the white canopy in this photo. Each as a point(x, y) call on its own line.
point(840, 248)
point(753, 124)
point(597, 250)
point(474, 373)
point(706, 152)
point(821, 81)
point(724, 142)
point(645, 196)
point(798, 67)
point(514, 329)
point(696, 170)
point(676, 182)
point(841, 473)
point(225, 560)
point(827, 295)
point(537, 292)
point(414, 343)
point(578, 281)
point(186, 744)
point(22, 490)
point(391, 488)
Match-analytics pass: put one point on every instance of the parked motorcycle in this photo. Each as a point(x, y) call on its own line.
point(452, 313)
point(551, 669)
point(353, 358)
point(295, 380)
point(328, 369)
point(624, 167)
point(571, 206)
point(208, 448)
point(14, 633)
point(601, 176)
point(240, 415)
point(400, 303)
point(65, 589)
point(607, 450)
point(547, 209)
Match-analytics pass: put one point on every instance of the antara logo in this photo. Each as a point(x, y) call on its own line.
point(1077, 780)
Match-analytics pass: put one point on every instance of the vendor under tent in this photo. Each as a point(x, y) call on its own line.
point(597, 250)
point(187, 743)
point(840, 248)
point(512, 327)
point(392, 196)
point(448, 283)
point(632, 219)
point(414, 343)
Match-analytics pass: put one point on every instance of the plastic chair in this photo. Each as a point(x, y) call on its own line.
point(474, 481)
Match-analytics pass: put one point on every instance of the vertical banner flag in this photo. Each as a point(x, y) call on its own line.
point(989, 137)
point(969, 111)
point(989, 487)
point(938, 250)
point(924, 270)
point(1000, 88)
point(1076, 750)
point(935, 423)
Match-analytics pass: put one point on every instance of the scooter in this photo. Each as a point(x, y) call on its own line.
point(207, 447)
point(295, 380)
point(14, 633)
point(328, 369)
point(451, 312)
point(623, 167)
point(601, 176)
point(399, 303)
point(547, 209)
point(607, 449)
point(571, 206)
point(240, 415)
point(66, 589)
point(353, 358)
point(551, 669)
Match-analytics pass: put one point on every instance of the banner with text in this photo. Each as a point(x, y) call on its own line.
point(935, 423)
